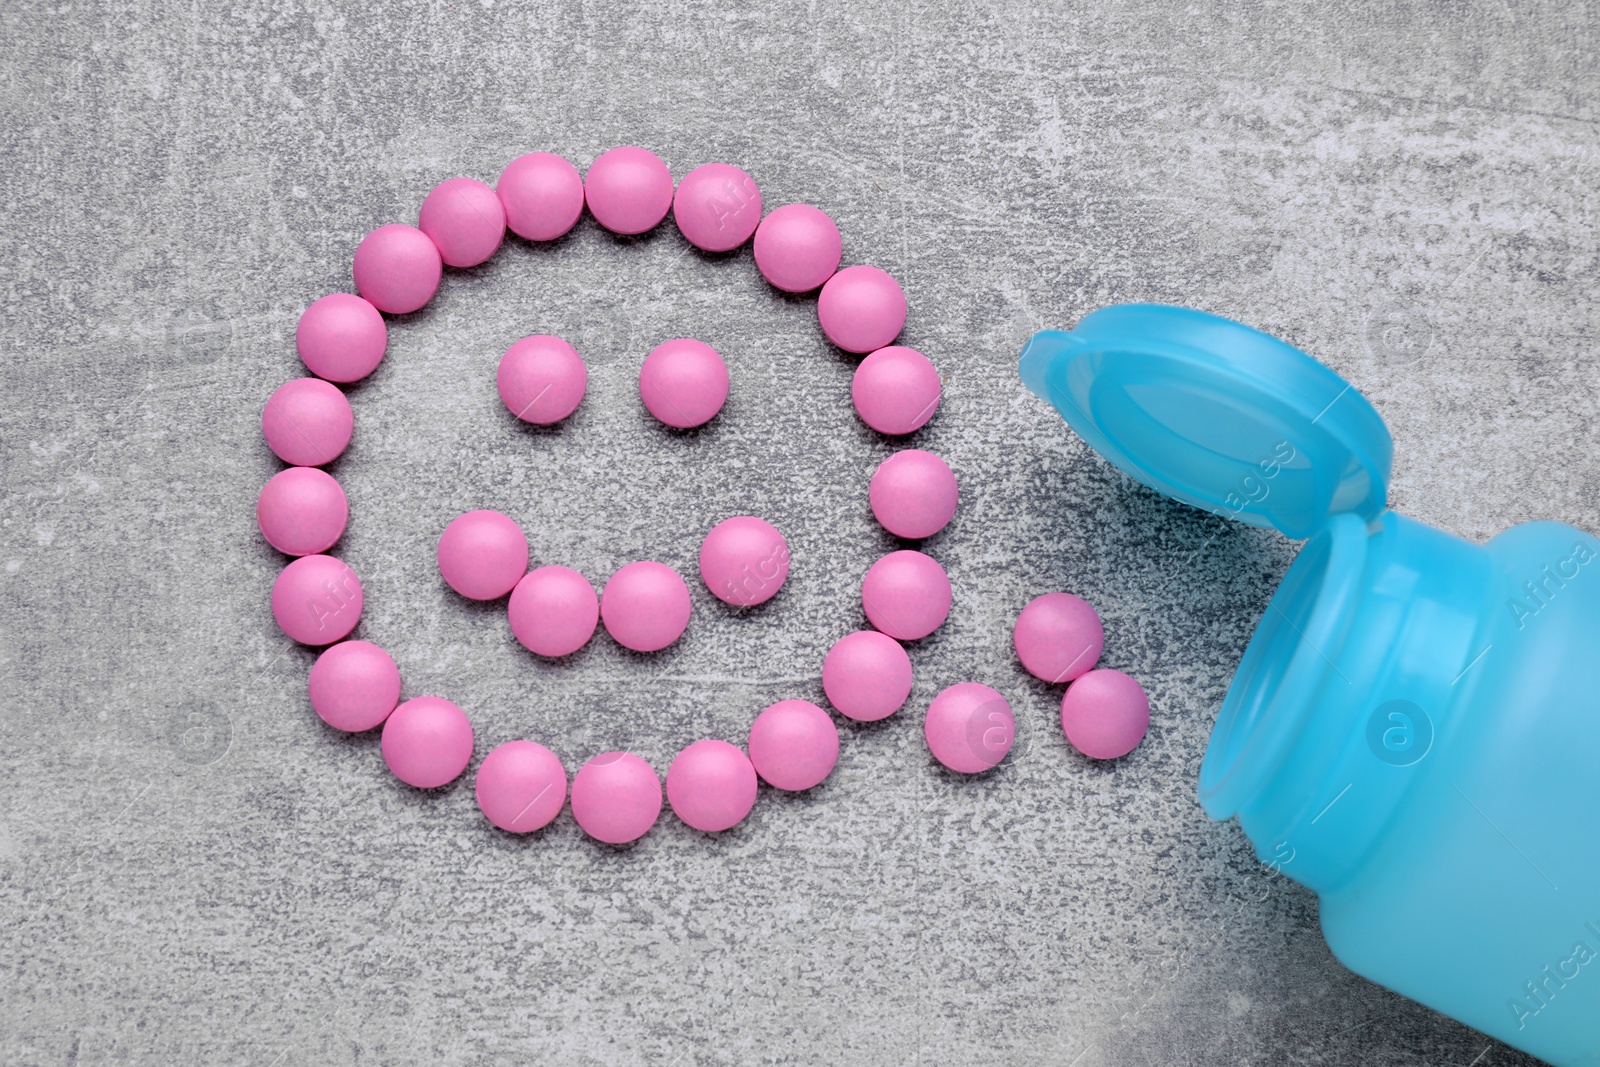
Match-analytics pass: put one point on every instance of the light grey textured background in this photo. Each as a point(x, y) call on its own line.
point(1407, 190)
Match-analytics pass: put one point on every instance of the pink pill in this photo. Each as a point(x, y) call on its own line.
point(302, 511)
point(307, 422)
point(354, 686)
point(862, 309)
point(793, 745)
point(744, 561)
point(1058, 637)
point(521, 787)
point(628, 190)
point(1105, 714)
point(798, 248)
point(684, 383)
point(317, 600)
point(711, 785)
point(483, 555)
point(542, 195)
point(913, 493)
point(541, 379)
point(341, 337)
point(616, 797)
point(427, 742)
point(867, 675)
point(895, 390)
point(906, 595)
point(464, 219)
point(717, 208)
point(645, 606)
point(553, 611)
point(397, 268)
point(969, 728)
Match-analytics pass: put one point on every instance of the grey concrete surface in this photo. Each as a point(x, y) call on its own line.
point(194, 870)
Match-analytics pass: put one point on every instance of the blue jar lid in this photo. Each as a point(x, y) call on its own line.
point(1216, 414)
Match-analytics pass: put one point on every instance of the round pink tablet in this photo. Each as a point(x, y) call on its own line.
point(717, 208)
point(1105, 714)
point(895, 390)
point(307, 422)
point(867, 675)
point(711, 785)
point(542, 194)
point(341, 337)
point(793, 745)
point(861, 309)
point(616, 797)
point(906, 595)
point(354, 686)
point(316, 600)
point(628, 190)
point(302, 511)
point(464, 219)
point(645, 606)
point(553, 611)
point(427, 742)
point(397, 268)
point(744, 560)
point(1058, 637)
point(483, 555)
point(969, 728)
point(798, 248)
point(684, 383)
point(541, 379)
point(913, 493)
point(521, 787)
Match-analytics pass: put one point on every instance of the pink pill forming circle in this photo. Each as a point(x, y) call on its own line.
point(483, 555)
point(794, 745)
point(541, 379)
point(465, 221)
point(969, 728)
point(895, 390)
point(913, 494)
point(797, 248)
point(354, 686)
point(521, 787)
point(317, 600)
point(684, 383)
point(302, 511)
point(1105, 714)
point(397, 268)
point(717, 207)
point(645, 606)
point(307, 422)
point(553, 611)
point(616, 797)
point(427, 742)
point(341, 338)
point(867, 675)
point(542, 195)
point(744, 561)
point(861, 309)
point(906, 595)
point(628, 190)
point(1058, 637)
point(711, 786)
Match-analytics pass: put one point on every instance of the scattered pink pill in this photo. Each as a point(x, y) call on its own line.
point(793, 745)
point(684, 383)
point(744, 561)
point(553, 611)
point(717, 208)
point(969, 728)
point(797, 248)
point(616, 797)
point(302, 511)
point(354, 686)
point(397, 268)
point(464, 219)
point(427, 742)
point(906, 594)
point(521, 787)
point(895, 390)
point(341, 337)
point(542, 195)
point(862, 309)
point(1058, 637)
point(645, 606)
point(541, 379)
point(317, 600)
point(867, 675)
point(711, 785)
point(483, 555)
point(307, 422)
point(629, 190)
point(1105, 714)
point(913, 493)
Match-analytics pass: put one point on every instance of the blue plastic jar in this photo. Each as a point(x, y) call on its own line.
point(1414, 729)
